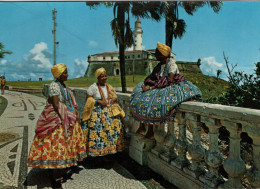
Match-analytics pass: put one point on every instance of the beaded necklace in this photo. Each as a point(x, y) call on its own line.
point(66, 98)
point(102, 94)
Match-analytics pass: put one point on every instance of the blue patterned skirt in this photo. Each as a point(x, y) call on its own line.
point(159, 105)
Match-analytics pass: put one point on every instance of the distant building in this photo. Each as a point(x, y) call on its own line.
point(137, 61)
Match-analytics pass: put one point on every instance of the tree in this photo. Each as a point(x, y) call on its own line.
point(257, 70)
point(218, 73)
point(174, 26)
point(3, 52)
point(120, 25)
point(243, 90)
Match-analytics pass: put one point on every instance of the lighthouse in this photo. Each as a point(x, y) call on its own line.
point(138, 32)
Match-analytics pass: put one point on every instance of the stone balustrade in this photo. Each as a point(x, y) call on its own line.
point(190, 165)
point(187, 161)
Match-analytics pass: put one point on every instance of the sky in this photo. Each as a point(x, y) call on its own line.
point(26, 30)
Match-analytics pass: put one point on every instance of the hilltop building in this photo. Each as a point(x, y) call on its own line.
point(137, 61)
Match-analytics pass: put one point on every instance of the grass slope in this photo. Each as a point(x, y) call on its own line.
point(209, 86)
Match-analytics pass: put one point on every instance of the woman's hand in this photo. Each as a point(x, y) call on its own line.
point(113, 100)
point(77, 115)
point(102, 103)
point(146, 88)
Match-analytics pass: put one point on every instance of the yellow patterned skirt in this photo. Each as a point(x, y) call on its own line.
point(57, 151)
point(104, 133)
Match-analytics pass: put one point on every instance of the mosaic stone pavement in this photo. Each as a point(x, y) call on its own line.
point(17, 124)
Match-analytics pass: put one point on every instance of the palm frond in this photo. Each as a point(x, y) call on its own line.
point(129, 41)
point(2, 53)
point(115, 31)
point(139, 10)
point(192, 6)
point(154, 8)
point(216, 5)
point(93, 4)
point(108, 3)
point(180, 28)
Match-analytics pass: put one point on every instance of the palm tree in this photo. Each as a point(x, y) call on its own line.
point(120, 25)
point(3, 52)
point(218, 73)
point(175, 27)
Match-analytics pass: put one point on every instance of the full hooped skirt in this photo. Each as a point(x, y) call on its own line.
point(57, 151)
point(104, 133)
point(159, 105)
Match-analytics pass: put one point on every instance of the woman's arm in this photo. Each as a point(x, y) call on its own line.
point(54, 100)
point(113, 95)
point(98, 101)
point(171, 76)
point(146, 88)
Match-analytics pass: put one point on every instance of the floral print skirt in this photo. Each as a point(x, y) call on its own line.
point(104, 133)
point(57, 151)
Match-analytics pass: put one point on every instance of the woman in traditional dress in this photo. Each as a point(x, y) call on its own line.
point(59, 142)
point(156, 99)
point(102, 118)
point(3, 83)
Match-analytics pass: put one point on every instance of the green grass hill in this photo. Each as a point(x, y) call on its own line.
point(209, 86)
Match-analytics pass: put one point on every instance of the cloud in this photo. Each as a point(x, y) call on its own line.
point(80, 67)
point(92, 43)
point(131, 48)
point(35, 64)
point(32, 75)
point(17, 76)
point(209, 66)
point(3, 62)
point(39, 58)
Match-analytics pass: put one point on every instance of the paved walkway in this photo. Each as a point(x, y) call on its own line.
point(17, 124)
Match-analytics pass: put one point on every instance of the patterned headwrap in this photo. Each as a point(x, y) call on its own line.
point(164, 49)
point(99, 71)
point(58, 69)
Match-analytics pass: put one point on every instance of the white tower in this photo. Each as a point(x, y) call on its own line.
point(138, 35)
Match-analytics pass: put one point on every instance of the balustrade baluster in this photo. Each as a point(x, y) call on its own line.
point(195, 150)
point(253, 174)
point(234, 165)
point(213, 157)
point(169, 143)
point(159, 136)
point(181, 143)
point(127, 111)
point(134, 125)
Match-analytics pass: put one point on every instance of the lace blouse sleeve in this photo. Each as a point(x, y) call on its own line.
point(173, 68)
point(54, 89)
point(92, 90)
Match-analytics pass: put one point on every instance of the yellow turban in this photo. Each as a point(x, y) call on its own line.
point(99, 71)
point(58, 69)
point(164, 49)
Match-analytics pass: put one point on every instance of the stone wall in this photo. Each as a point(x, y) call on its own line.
point(141, 67)
point(188, 67)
